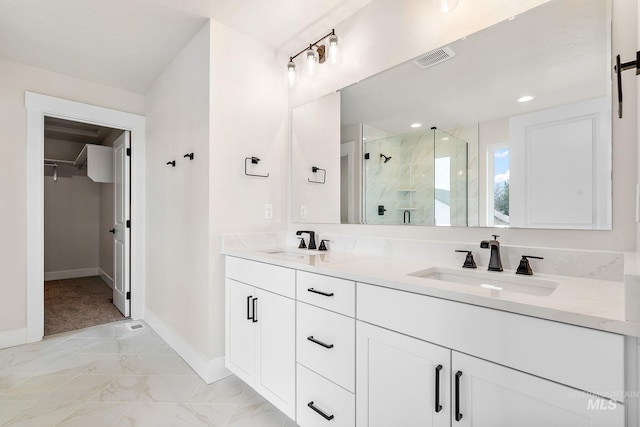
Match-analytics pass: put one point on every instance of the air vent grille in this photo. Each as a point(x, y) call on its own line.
point(434, 57)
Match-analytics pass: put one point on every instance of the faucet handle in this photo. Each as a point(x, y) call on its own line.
point(323, 247)
point(495, 236)
point(469, 262)
point(302, 244)
point(524, 267)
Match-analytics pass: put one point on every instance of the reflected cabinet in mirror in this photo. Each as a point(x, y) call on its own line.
point(510, 126)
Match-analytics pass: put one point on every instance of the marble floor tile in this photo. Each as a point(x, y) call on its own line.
point(111, 376)
point(150, 388)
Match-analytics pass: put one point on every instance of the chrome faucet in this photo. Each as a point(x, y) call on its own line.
point(312, 238)
point(495, 263)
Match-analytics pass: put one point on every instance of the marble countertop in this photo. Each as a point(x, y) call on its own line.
point(592, 303)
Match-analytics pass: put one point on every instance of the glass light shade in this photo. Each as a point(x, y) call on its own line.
point(291, 73)
point(445, 6)
point(311, 61)
point(334, 51)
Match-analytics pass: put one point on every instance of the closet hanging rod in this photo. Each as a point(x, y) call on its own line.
point(65, 162)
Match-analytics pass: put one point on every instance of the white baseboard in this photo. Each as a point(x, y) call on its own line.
point(71, 274)
point(105, 278)
point(209, 370)
point(13, 337)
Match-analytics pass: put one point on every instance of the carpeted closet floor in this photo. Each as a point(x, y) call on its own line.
point(72, 304)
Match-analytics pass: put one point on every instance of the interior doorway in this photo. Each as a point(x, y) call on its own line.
point(38, 107)
point(86, 240)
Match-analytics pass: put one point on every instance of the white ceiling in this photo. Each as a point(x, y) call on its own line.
point(557, 52)
point(127, 43)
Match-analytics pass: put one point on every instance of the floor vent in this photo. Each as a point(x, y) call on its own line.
point(135, 326)
point(434, 57)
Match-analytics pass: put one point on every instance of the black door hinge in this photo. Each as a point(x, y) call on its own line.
point(128, 223)
point(129, 152)
point(129, 295)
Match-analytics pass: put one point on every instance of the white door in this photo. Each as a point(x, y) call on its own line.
point(275, 318)
point(121, 235)
point(491, 395)
point(240, 305)
point(400, 381)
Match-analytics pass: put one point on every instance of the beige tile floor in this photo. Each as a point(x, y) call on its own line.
point(111, 376)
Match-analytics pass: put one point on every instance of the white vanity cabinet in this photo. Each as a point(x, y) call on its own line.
point(401, 381)
point(325, 350)
point(541, 372)
point(260, 329)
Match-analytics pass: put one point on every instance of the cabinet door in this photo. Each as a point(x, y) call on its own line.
point(490, 395)
point(275, 379)
point(399, 379)
point(239, 336)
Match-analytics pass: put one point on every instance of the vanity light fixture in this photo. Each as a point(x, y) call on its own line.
point(525, 98)
point(315, 54)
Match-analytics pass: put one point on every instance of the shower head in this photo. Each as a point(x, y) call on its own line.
point(55, 173)
point(386, 159)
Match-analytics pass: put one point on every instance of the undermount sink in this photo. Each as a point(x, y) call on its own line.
point(495, 281)
point(288, 253)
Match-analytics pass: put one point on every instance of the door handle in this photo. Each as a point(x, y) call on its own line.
point(249, 315)
point(457, 404)
point(112, 231)
point(438, 405)
point(255, 310)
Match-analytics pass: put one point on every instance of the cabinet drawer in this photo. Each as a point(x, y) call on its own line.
point(269, 277)
point(579, 357)
point(318, 329)
point(328, 292)
point(330, 399)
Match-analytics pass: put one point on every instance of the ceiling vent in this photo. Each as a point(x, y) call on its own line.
point(434, 57)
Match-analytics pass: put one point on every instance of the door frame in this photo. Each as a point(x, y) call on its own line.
point(38, 106)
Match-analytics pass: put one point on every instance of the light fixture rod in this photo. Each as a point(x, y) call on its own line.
point(332, 33)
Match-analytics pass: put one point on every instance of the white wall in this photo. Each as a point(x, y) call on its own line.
point(248, 118)
point(71, 224)
point(177, 198)
point(223, 107)
point(15, 78)
point(367, 50)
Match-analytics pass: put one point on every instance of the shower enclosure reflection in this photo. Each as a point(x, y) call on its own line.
point(415, 178)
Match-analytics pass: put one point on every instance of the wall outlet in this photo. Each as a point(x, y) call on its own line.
point(303, 211)
point(268, 211)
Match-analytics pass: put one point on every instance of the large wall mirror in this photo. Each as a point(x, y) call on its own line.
point(510, 126)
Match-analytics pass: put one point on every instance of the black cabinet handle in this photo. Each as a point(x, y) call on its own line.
point(325, 416)
point(112, 231)
point(313, 340)
point(457, 405)
point(320, 292)
point(255, 310)
point(249, 316)
point(438, 405)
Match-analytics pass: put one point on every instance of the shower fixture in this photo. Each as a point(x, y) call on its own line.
point(386, 159)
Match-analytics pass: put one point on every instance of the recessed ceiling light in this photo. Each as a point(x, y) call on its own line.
point(416, 125)
point(445, 138)
point(525, 98)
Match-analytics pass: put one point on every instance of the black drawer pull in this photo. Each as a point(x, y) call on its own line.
point(249, 315)
point(320, 292)
point(457, 409)
point(313, 340)
point(325, 416)
point(438, 405)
